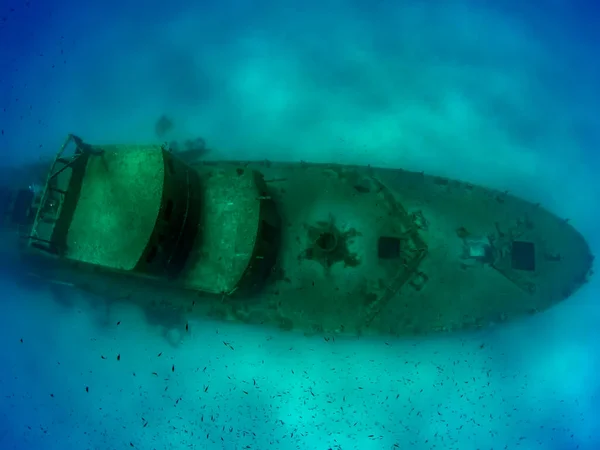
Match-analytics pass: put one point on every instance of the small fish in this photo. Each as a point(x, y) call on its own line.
point(187, 327)
point(206, 389)
point(119, 357)
point(118, 323)
point(159, 354)
point(173, 368)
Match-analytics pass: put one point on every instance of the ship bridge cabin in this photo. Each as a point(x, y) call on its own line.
point(141, 210)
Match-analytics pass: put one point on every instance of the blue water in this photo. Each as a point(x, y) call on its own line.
point(504, 95)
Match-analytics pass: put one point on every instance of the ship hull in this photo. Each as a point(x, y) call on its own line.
point(372, 251)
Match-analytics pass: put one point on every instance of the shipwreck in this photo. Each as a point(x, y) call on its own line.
point(317, 248)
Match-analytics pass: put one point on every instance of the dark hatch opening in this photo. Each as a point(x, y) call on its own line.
point(523, 255)
point(388, 247)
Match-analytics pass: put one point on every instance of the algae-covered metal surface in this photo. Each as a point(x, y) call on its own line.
point(231, 209)
point(117, 208)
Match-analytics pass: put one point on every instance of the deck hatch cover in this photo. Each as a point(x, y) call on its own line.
point(515, 259)
point(411, 248)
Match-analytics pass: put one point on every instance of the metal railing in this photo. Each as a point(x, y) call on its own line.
point(48, 211)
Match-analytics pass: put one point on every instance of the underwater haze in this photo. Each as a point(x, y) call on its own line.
point(503, 94)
